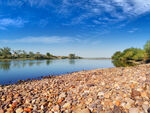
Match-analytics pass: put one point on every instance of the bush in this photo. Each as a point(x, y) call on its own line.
point(130, 54)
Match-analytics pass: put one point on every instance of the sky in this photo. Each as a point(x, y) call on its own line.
point(88, 28)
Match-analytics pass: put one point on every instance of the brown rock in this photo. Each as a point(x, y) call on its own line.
point(19, 110)
point(82, 111)
point(27, 110)
point(117, 103)
point(60, 100)
point(133, 110)
point(148, 110)
point(135, 93)
point(1, 111)
point(117, 109)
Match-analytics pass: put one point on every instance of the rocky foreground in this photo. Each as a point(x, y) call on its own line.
point(114, 90)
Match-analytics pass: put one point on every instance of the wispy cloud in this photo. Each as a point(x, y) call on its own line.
point(50, 40)
point(116, 10)
point(6, 22)
point(133, 30)
point(39, 40)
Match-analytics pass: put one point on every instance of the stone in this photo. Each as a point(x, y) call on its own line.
point(1, 111)
point(117, 103)
point(82, 111)
point(135, 93)
point(144, 94)
point(133, 110)
point(107, 95)
point(56, 108)
point(101, 94)
point(62, 95)
point(27, 109)
point(117, 109)
point(19, 110)
point(145, 107)
point(148, 110)
point(60, 100)
point(67, 105)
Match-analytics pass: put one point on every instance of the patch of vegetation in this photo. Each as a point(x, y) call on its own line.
point(6, 54)
point(133, 55)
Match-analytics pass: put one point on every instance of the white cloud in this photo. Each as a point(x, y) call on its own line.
point(5, 22)
point(118, 9)
point(50, 40)
point(39, 40)
point(133, 30)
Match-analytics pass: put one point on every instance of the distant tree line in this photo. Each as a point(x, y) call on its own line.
point(7, 53)
point(134, 54)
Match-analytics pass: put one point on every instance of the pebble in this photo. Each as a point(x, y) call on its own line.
point(133, 110)
point(67, 105)
point(113, 90)
point(145, 107)
point(1, 111)
point(83, 111)
point(19, 110)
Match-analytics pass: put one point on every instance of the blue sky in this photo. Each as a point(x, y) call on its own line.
point(89, 28)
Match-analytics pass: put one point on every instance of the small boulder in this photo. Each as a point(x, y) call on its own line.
point(133, 110)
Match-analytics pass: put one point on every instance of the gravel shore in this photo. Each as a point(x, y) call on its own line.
point(113, 90)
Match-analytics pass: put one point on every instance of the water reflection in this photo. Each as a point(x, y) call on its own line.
point(48, 62)
point(122, 63)
point(71, 61)
point(7, 65)
point(27, 69)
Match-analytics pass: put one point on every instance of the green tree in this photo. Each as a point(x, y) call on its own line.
point(72, 56)
point(49, 55)
point(147, 49)
point(116, 55)
point(31, 54)
point(5, 52)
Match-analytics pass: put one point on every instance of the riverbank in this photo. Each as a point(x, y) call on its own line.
point(95, 58)
point(113, 90)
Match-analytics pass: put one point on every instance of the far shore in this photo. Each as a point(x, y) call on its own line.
point(96, 58)
point(44, 59)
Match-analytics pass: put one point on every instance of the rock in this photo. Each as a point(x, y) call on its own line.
point(144, 94)
point(67, 105)
point(89, 100)
point(56, 108)
point(133, 110)
point(14, 104)
point(16, 95)
point(145, 107)
point(106, 95)
point(101, 94)
point(90, 85)
point(1, 111)
point(19, 110)
point(117, 109)
point(60, 100)
point(135, 93)
point(82, 111)
point(129, 101)
point(148, 110)
point(27, 109)
point(62, 95)
point(42, 107)
point(117, 103)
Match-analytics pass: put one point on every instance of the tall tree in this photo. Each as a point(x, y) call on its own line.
point(72, 56)
point(147, 49)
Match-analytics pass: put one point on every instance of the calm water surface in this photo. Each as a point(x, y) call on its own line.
point(12, 71)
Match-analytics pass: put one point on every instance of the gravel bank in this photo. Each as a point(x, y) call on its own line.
point(113, 90)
